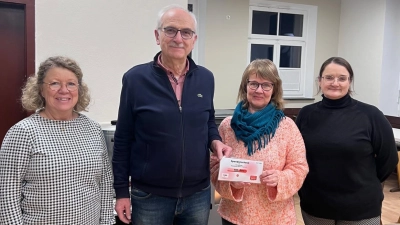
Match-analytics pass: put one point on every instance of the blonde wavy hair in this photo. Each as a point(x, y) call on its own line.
point(267, 70)
point(32, 99)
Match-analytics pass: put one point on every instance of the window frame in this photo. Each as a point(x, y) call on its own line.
point(307, 41)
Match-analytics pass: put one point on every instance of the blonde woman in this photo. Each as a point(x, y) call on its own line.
point(54, 166)
point(258, 130)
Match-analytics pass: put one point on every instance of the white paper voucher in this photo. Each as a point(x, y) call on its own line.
point(231, 169)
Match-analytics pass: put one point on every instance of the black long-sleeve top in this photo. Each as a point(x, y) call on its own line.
point(350, 150)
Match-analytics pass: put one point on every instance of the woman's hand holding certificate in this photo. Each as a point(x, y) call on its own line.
point(241, 170)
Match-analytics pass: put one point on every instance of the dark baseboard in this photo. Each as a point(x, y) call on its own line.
point(394, 121)
point(292, 113)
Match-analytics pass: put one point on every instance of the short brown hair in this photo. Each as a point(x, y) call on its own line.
point(31, 98)
point(265, 69)
point(341, 62)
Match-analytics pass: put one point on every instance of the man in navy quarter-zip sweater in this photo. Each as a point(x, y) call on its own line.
point(164, 131)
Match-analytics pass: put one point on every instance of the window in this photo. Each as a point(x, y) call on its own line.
point(285, 33)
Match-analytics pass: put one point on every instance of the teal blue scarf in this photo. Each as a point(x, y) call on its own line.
point(259, 126)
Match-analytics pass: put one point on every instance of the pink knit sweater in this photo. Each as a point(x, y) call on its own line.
point(259, 204)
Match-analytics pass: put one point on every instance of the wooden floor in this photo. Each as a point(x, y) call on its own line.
point(390, 208)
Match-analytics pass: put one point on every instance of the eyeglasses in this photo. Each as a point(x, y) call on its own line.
point(55, 86)
point(253, 85)
point(171, 32)
point(331, 79)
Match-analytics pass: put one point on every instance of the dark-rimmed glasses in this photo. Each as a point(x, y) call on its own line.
point(171, 32)
point(331, 79)
point(55, 86)
point(266, 86)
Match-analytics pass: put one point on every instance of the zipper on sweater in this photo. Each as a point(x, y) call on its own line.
point(183, 151)
point(183, 138)
point(176, 82)
point(183, 135)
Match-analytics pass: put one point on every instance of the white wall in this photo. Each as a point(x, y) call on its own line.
point(109, 37)
point(226, 44)
point(105, 37)
point(389, 95)
point(361, 39)
point(226, 47)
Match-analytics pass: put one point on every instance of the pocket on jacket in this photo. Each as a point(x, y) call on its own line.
point(161, 165)
point(208, 187)
point(139, 194)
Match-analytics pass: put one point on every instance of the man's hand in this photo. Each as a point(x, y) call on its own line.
point(220, 149)
point(123, 209)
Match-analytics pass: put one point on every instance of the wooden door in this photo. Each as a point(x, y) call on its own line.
point(16, 58)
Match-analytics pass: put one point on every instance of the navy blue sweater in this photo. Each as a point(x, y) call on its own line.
point(164, 148)
point(350, 150)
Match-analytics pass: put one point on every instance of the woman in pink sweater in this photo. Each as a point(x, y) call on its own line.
point(258, 130)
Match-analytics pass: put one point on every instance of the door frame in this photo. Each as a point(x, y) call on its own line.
point(199, 10)
point(29, 6)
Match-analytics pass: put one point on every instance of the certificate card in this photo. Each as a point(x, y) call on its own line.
point(231, 169)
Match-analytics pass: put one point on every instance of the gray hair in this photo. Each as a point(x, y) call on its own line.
point(31, 98)
point(170, 7)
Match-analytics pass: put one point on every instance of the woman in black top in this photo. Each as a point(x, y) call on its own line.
point(350, 150)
